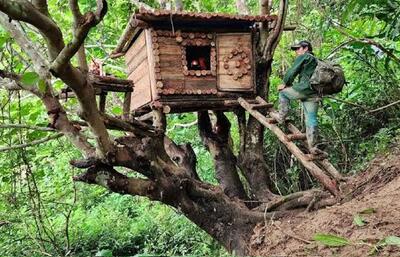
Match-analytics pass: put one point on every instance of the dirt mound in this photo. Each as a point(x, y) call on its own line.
point(375, 203)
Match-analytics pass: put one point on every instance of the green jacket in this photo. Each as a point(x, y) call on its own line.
point(304, 66)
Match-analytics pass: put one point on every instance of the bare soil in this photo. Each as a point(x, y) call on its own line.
point(375, 191)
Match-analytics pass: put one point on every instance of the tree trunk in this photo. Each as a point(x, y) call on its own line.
point(217, 141)
point(226, 220)
point(251, 157)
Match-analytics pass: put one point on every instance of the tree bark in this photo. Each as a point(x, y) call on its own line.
point(217, 140)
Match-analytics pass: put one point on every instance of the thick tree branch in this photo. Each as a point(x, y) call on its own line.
point(273, 38)
point(87, 21)
point(58, 119)
point(217, 141)
point(108, 177)
point(40, 64)
point(76, 13)
point(136, 127)
point(41, 5)
point(74, 78)
point(24, 11)
point(183, 156)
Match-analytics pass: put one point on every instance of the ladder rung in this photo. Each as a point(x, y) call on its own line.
point(262, 106)
point(293, 137)
point(272, 121)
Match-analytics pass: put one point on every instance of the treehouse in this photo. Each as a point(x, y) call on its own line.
point(180, 61)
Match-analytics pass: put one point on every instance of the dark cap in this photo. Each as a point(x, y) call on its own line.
point(302, 43)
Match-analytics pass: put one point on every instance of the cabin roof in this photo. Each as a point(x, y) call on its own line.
point(176, 20)
point(191, 19)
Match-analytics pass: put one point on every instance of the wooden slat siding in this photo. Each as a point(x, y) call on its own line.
point(139, 43)
point(151, 64)
point(141, 71)
point(137, 60)
point(225, 44)
point(142, 93)
point(138, 70)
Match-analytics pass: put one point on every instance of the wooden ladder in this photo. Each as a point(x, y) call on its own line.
point(319, 167)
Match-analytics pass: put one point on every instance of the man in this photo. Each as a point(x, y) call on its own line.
point(304, 66)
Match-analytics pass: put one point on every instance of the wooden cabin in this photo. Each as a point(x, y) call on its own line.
point(181, 61)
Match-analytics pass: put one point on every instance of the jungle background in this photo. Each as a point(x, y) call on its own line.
point(44, 213)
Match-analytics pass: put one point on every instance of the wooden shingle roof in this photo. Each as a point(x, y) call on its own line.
point(193, 21)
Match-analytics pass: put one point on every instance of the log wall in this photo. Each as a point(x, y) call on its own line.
point(175, 78)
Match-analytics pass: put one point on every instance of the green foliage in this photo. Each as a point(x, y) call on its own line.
point(358, 220)
point(30, 78)
point(331, 240)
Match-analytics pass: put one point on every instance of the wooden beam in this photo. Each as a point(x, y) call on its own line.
point(127, 105)
point(102, 104)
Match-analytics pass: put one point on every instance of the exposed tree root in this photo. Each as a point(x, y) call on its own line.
point(309, 200)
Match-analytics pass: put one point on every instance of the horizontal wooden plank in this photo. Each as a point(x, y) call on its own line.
point(139, 72)
point(136, 46)
point(169, 83)
point(142, 93)
point(233, 40)
point(171, 76)
point(171, 65)
point(167, 49)
point(167, 41)
point(170, 58)
point(135, 62)
point(200, 84)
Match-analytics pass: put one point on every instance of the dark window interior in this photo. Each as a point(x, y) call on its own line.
point(198, 57)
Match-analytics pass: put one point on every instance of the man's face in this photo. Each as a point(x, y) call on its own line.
point(301, 50)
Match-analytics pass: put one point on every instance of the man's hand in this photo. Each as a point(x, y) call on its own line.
point(281, 87)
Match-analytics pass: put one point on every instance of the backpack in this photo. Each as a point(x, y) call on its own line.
point(328, 78)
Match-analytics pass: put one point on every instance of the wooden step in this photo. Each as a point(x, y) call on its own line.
point(328, 167)
point(295, 137)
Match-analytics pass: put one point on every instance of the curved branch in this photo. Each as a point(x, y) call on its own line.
point(33, 143)
point(25, 126)
point(87, 21)
point(76, 13)
point(273, 38)
point(25, 11)
point(108, 177)
point(41, 5)
point(217, 140)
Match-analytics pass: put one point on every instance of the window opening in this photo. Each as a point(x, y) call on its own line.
point(198, 57)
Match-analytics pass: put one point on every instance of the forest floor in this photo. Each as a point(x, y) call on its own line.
point(375, 202)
